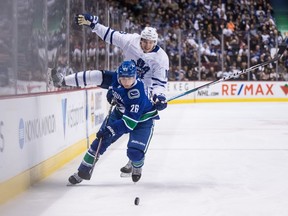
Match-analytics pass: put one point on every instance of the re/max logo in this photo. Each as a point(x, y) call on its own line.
point(247, 89)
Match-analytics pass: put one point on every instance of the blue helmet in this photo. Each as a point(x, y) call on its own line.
point(127, 69)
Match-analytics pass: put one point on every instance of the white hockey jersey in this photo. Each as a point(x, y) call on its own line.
point(152, 67)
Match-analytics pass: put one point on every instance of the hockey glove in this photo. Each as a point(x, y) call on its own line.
point(109, 96)
point(160, 102)
point(57, 78)
point(106, 133)
point(86, 19)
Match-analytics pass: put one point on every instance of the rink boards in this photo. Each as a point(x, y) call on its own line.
point(239, 91)
point(41, 133)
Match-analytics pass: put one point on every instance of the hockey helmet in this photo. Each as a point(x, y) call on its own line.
point(127, 69)
point(149, 33)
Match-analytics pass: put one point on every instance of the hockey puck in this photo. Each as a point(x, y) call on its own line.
point(136, 201)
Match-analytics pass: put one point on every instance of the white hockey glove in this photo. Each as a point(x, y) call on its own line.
point(86, 19)
point(57, 78)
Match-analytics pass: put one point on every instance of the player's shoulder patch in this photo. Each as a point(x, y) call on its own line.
point(133, 94)
point(122, 32)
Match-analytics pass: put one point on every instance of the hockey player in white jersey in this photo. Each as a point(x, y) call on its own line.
point(151, 60)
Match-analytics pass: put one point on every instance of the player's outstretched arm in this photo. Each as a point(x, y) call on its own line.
point(99, 78)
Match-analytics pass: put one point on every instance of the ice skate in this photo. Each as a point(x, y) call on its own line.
point(126, 170)
point(136, 174)
point(75, 179)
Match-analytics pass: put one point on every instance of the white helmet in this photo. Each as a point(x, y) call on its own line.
point(149, 33)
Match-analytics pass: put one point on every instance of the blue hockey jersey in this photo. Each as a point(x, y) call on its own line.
point(133, 104)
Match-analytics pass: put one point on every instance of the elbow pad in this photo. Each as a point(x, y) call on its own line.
point(84, 78)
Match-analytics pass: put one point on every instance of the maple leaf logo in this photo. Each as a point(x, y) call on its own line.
point(285, 89)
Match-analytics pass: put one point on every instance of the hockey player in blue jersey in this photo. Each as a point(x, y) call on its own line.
point(134, 113)
point(151, 60)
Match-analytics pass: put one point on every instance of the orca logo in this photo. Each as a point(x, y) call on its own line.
point(133, 93)
point(2, 140)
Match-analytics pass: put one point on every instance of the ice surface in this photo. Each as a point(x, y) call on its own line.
point(226, 159)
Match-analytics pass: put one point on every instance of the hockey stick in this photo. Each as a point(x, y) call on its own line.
point(278, 56)
point(100, 140)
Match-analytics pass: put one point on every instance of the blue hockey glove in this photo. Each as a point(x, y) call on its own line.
point(160, 102)
point(110, 97)
point(86, 19)
point(106, 133)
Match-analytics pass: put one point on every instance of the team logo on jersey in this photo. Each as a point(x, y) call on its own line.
point(142, 68)
point(133, 93)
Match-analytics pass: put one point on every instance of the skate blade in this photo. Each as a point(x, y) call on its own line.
point(125, 175)
point(70, 184)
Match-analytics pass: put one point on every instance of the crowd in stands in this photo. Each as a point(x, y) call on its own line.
point(204, 39)
point(192, 32)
